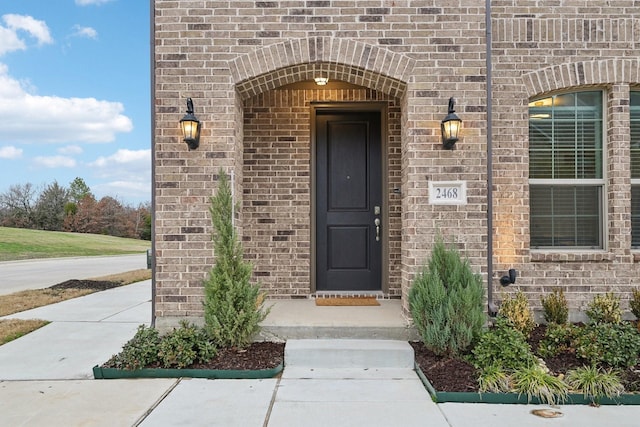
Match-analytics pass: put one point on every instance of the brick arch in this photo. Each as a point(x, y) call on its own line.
point(581, 73)
point(340, 59)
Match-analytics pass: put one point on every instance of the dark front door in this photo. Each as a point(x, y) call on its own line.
point(348, 201)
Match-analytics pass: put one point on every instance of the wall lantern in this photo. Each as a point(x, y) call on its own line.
point(509, 279)
point(190, 127)
point(321, 81)
point(450, 127)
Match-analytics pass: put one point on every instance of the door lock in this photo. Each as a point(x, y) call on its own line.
point(377, 223)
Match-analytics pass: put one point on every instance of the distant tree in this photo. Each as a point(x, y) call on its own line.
point(86, 219)
point(143, 221)
point(50, 207)
point(114, 218)
point(17, 206)
point(145, 231)
point(72, 209)
point(78, 190)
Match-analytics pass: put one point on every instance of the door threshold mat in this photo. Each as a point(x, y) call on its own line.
point(347, 301)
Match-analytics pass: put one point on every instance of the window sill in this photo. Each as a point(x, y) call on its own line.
point(572, 256)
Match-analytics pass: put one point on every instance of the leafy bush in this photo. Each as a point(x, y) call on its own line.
point(139, 351)
point(233, 307)
point(605, 308)
point(594, 382)
point(558, 338)
point(518, 313)
point(616, 345)
point(184, 346)
point(634, 304)
point(446, 302)
point(503, 346)
point(535, 382)
point(555, 307)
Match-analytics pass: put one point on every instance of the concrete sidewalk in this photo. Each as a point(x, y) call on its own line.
point(46, 380)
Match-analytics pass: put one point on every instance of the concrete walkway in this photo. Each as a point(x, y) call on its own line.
point(45, 380)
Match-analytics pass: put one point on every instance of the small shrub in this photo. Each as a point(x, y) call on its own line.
point(185, 346)
point(446, 302)
point(503, 346)
point(557, 339)
point(634, 304)
point(555, 307)
point(518, 313)
point(493, 379)
point(616, 345)
point(594, 382)
point(139, 351)
point(605, 308)
point(535, 382)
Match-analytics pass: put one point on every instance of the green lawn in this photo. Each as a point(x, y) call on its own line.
point(17, 243)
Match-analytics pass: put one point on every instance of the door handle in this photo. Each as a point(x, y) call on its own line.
point(377, 223)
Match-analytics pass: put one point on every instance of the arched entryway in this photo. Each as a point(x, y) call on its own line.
point(281, 182)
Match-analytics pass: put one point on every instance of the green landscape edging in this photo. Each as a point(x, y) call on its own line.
point(514, 398)
point(113, 373)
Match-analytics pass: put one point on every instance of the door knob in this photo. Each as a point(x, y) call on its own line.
point(377, 223)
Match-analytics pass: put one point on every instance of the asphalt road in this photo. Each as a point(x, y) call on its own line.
point(41, 273)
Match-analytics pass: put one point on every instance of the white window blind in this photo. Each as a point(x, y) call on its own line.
point(635, 167)
point(566, 170)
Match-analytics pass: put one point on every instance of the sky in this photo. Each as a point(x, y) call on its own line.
point(75, 96)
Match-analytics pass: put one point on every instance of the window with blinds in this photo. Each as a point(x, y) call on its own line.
point(635, 167)
point(566, 171)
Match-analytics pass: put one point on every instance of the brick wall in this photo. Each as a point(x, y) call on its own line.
point(543, 49)
point(232, 57)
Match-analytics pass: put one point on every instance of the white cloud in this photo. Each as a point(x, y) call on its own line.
point(10, 152)
point(11, 41)
point(123, 156)
point(87, 32)
point(31, 118)
point(127, 173)
point(124, 165)
point(91, 2)
point(54, 162)
point(138, 190)
point(70, 149)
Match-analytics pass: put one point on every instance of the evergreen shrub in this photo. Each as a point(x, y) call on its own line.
point(504, 346)
point(233, 306)
point(634, 304)
point(516, 310)
point(140, 351)
point(185, 346)
point(446, 302)
point(605, 308)
point(555, 307)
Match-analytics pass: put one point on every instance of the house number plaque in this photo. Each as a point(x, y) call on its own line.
point(448, 193)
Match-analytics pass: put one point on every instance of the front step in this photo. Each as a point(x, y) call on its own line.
point(348, 354)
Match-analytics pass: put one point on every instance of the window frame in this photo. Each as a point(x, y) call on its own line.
point(600, 183)
point(635, 182)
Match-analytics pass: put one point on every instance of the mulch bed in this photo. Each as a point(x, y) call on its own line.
point(259, 355)
point(96, 285)
point(457, 375)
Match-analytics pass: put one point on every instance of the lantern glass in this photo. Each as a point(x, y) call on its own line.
point(450, 127)
point(190, 129)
